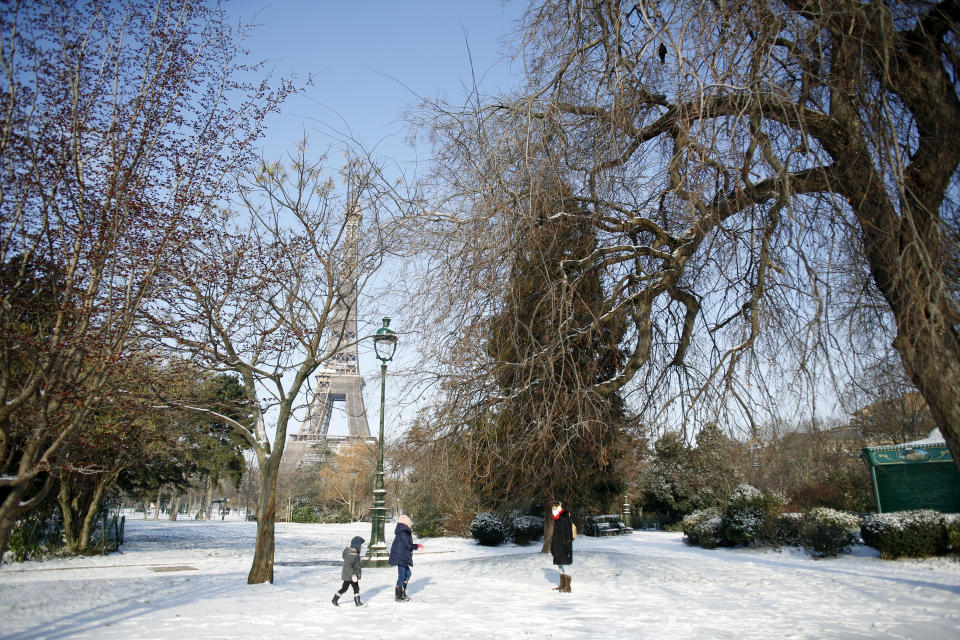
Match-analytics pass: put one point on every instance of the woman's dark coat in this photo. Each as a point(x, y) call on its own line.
point(562, 544)
point(401, 551)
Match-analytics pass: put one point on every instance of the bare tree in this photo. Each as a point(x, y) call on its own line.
point(118, 124)
point(889, 410)
point(432, 483)
point(772, 189)
point(348, 477)
point(269, 298)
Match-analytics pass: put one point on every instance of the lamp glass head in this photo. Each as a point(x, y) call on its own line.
point(385, 342)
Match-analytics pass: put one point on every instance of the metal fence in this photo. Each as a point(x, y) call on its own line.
point(110, 532)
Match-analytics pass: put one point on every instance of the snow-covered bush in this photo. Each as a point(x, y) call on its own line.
point(906, 533)
point(952, 524)
point(752, 517)
point(749, 517)
point(828, 532)
point(702, 528)
point(526, 528)
point(487, 529)
point(788, 529)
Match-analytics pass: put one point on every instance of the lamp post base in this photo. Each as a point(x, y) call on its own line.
point(375, 563)
point(377, 556)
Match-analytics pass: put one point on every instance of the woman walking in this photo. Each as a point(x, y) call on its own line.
point(561, 546)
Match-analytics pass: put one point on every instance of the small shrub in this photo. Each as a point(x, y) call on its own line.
point(428, 527)
point(38, 535)
point(749, 517)
point(913, 534)
point(487, 529)
point(828, 532)
point(305, 513)
point(339, 515)
point(788, 529)
point(952, 524)
point(457, 522)
point(526, 528)
point(428, 518)
point(702, 528)
point(743, 525)
point(814, 494)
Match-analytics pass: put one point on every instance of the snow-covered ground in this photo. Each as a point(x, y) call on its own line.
point(187, 579)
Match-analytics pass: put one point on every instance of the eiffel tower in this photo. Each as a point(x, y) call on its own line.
point(338, 380)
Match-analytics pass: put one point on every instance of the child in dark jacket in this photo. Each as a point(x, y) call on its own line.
point(401, 555)
point(350, 573)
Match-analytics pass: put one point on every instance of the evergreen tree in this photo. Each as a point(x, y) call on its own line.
point(670, 479)
point(544, 431)
point(680, 479)
point(216, 448)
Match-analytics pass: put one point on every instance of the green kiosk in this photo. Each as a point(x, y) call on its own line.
point(914, 475)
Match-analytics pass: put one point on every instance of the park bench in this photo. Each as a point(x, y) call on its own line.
point(605, 525)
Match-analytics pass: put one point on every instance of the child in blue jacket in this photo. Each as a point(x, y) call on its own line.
point(401, 555)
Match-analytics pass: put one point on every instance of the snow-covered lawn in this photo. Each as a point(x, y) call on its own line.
point(187, 579)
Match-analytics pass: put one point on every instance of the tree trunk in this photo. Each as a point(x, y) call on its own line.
point(175, 508)
point(905, 242)
point(932, 360)
point(13, 506)
point(80, 506)
point(202, 501)
point(262, 568)
point(906, 264)
point(8, 517)
point(93, 509)
point(70, 533)
point(547, 528)
point(156, 514)
point(208, 502)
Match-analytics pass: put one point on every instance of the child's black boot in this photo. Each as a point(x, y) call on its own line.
point(356, 601)
point(336, 599)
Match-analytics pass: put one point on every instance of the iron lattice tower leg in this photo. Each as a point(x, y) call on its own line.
point(338, 380)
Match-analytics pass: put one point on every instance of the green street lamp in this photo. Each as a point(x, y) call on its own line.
point(384, 345)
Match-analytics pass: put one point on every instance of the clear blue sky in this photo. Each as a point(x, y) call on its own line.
point(371, 59)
